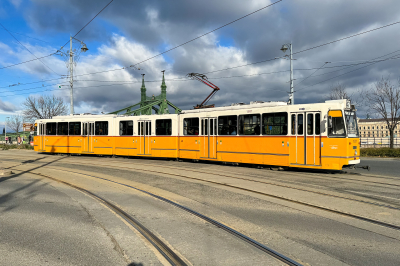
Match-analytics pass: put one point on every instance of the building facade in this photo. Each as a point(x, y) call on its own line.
point(375, 128)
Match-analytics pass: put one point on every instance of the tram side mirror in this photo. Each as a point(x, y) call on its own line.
point(329, 122)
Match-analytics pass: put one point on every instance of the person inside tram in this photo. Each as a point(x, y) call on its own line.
point(257, 130)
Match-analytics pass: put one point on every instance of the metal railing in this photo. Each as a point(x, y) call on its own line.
point(375, 142)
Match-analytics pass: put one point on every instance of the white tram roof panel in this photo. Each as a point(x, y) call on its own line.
point(237, 106)
point(79, 116)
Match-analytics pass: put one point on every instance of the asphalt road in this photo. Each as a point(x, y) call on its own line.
point(380, 166)
point(43, 222)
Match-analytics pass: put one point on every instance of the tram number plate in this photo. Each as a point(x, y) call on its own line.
point(354, 147)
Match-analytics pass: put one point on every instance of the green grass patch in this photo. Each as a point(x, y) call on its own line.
point(15, 146)
point(380, 152)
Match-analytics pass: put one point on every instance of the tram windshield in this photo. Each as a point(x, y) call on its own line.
point(351, 124)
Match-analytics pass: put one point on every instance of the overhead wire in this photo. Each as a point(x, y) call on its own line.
point(38, 58)
point(373, 62)
point(312, 73)
point(258, 74)
point(314, 47)
point(117, 69)
point(136, 82)
point(198, 37)
point(28, 50)
point(89, 22)
point(28, 36)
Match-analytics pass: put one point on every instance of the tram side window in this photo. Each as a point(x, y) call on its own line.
point(101, 128)
point(62, 128)
point(126, 128)
point(293, 124)
point(249, 124)
point(75, 128)
point(51, 128)
point(300, 122)
point(164, 127)
point(275, 124)
point(310, 124)
point(191, 126)
point(317, 124)
point(227, 125)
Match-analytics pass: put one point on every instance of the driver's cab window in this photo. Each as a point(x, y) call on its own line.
point(336, 127)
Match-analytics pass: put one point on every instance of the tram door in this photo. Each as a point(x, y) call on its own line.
point(313, 138)
point(297, 143)
point(208, 144)
point(87, 137)
point(144, 128)
point(41, 136)
point(306, 142)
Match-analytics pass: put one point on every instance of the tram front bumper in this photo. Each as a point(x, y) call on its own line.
point(351, 162)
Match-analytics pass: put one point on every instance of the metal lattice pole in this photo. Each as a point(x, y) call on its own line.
point(71, 75)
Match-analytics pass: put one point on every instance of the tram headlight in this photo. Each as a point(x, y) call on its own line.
point(355, 152)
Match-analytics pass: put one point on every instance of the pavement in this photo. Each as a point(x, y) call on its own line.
point(42, 225)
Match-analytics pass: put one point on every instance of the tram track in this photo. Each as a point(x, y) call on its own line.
point(354, 216)
point(359, 217)
point(389, 206)
point(325, 176)
point(263, 182)
point(165, 251)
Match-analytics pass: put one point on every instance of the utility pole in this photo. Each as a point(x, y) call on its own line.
point(71, 75)
point(71, 69)
point(291, 96)
point(5, 129)
point(284, 48)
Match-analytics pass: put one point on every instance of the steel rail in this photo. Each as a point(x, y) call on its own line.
point(165, 251)
point(271, 183)
point(124, 215)
point(355, 216)
point(314, 174)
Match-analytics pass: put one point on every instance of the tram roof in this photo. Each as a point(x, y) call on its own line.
point(237, 106)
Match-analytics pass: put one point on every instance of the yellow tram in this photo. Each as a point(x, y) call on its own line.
point(319, 136)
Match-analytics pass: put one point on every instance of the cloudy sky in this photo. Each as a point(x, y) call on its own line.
point(128, 32)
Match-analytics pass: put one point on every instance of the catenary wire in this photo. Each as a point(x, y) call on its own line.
point(38, 58)
point(343, 74)
point(29, 36)
point(136, 82)
point(198, 37)
point(28, 83)
point(28, 49)
point(275, 72)
point(99, 72)
point(272, 59)
point(343, 67)
point(312, 73)
point(122, 82)
point(89, 22)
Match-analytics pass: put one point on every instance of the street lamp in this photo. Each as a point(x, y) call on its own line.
point(71, 70)
point(284, 48)
point(5, 129)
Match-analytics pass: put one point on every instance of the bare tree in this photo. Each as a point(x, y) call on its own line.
point(15, 122)
point(338, 91)
point(384, 98)
point(44, 107)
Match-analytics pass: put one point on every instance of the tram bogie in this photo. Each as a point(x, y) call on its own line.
point(319, 136)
